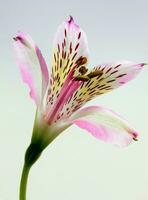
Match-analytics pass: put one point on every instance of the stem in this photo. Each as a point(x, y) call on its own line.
point(32, 154)
point(23, 183)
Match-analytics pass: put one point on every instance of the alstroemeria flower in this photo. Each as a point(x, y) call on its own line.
point(60, 96)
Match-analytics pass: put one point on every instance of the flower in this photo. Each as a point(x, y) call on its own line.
point(60, 96)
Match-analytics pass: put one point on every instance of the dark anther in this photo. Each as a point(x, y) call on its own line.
point(81, 61)
point(135, 139)
point(95, 74)
point(81, 78)
point(83, 70)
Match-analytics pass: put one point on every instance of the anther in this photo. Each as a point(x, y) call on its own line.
point(135, 139)
point(95, 74)
point(81, 61)
point(83, 70)
point(81, 78)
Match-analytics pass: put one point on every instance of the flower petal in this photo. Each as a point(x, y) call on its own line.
point(105, 125)
point(70, 50)
point(32, 65)
point(104, 78)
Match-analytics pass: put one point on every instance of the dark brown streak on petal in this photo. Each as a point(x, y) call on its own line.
point(117, 66)
point(66, 65)
point(98, 76)
point(114, 72)
point(121, 75)
point(70, 48)
point(101, 86)
point(79, 35)
point(54, 57)
point(101, 79)
point(90, 84)
point(111, 81)
point(60, 63)
point(103, 68)
point(87, 83)
point(76, 46)
point(104, 88)
point(74, 56)
point(58, 48)
point(65, 32)
point(108, 69)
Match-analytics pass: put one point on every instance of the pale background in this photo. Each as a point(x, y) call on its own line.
point(76, 166)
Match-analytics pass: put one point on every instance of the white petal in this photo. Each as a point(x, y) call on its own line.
point(32, 65)
point(105, 125)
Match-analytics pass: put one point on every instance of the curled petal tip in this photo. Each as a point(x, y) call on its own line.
point(140, 65)
point(70, 20)
point(22, 40)
point(143, 64)
point(19, 38)
point(135, 136)
point(14, 38)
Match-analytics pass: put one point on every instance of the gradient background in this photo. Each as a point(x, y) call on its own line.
point(75, 166)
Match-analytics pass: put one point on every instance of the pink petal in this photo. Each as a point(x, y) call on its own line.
point(112, 75)
point(70, 46)
point(66, 52)
point(120, 72)
point(105, 125)
point(32, 66)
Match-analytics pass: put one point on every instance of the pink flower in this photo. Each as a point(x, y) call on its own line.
point(60, 96)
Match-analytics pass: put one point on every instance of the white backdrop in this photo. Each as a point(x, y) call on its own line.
point(75, 166)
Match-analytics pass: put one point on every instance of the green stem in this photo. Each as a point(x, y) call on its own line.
point(23, 183)
point(32, 154)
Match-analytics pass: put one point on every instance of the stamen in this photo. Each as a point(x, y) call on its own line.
point(83, 70)
point(95, 74)
point(81, 61)
point(81, 78)
point(135, 139)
